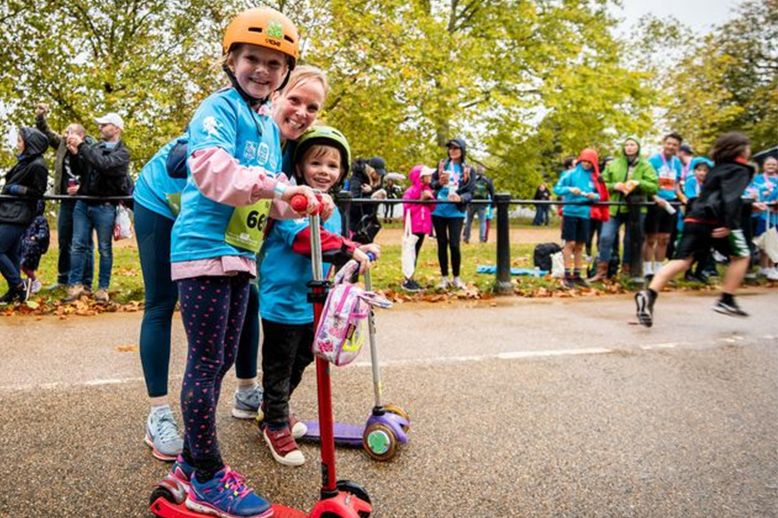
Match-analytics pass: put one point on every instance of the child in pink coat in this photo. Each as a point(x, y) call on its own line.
point(420, 215)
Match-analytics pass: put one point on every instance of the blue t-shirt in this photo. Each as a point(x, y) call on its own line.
point(668, 174)
point(154, 184)
point(582, 179)
point(223, 120)
point(284, 274)
point(449, 210)
point(691, 187)
point(766, 190)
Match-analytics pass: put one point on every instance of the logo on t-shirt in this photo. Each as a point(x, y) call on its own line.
point(249, 151)
point(264, 153)
point(210, 126)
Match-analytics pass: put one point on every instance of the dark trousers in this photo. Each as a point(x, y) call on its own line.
point(248, 348)
point(213, 309)
point(64, 243)
point(10, 252)
point(286, 352)
point(160, 296)
point(448, 232)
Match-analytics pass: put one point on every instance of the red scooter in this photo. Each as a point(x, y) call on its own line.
point(338, 498)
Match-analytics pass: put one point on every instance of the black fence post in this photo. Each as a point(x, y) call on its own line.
point(635, 242)
point(502, 283)
point(343, 201)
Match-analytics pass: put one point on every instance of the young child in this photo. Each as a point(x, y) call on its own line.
point(714, 221)
point(35, 243)
point(698, 167)
point(577, 185)
point(420, 215)
point(233, 151)
point(321, 161)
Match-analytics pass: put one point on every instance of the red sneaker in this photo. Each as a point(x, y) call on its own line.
point(283, 446)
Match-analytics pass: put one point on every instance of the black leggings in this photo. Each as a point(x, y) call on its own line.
point(448, 231)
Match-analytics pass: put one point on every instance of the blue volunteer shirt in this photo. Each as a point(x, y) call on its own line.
point(154, 184)
point(582, 179)
point(284, 274)
point(223, 120)
point(449, 210)
point(668, 173)
point(766, 190)
point(691, 187)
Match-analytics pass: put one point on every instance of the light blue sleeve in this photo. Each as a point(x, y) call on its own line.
point(562, 187)
point(690, 187)
point(215, 124)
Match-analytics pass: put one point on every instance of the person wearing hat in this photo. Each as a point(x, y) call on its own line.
point(108, 163)
point(68, 171)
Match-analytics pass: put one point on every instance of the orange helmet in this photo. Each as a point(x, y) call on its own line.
point(265, 27)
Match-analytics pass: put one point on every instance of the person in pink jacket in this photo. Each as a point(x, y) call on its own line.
point(420, 215)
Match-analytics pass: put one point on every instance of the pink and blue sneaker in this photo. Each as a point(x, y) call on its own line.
point(226, 495)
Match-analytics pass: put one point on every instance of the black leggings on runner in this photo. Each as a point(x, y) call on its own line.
point(448, 232)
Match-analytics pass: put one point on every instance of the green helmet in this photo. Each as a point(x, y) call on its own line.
point(327, 136)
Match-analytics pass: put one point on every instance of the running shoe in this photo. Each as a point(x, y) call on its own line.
point(729, 308)
point(226, 495)
point(247, 404)
point(645, 308)
point(162, 435)
point(182, 472)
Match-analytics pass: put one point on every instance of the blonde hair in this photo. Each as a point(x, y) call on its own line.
point(303, 74)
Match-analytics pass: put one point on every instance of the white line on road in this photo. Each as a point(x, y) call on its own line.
point(439, 360)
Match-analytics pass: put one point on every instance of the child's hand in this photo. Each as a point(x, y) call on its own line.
point(363, 260)
point(591, 195)
point(620, 187)
point(427, 195)
point(312, 204)
point(443, 178)
point(328, 206)
point(575, 190)
point(372, 248)
point(454, 197)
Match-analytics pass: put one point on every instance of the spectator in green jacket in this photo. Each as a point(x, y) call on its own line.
point(628, 178)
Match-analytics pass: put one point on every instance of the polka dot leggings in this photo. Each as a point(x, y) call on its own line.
point(213, 310)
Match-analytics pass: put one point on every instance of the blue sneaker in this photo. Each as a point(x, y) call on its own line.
point(182, 472)
point(226, 495)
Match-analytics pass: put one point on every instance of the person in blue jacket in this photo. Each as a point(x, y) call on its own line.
point(765, 187)
point(454, 181)
point(577, 185)
point(322, 161)
point(233, 152)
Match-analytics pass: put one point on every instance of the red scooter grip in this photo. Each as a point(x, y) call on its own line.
point(299, 203)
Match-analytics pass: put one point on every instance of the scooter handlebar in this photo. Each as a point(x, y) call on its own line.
point(299, 203)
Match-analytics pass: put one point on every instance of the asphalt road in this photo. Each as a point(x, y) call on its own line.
point(523, 408)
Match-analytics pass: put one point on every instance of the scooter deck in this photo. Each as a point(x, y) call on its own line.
point(349, 435)
point(167, 509)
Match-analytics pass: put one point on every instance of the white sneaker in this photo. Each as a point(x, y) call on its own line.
point(458, 284)
point(772, 274)
point(162, 435)
point(36, 286)
point(443, 284)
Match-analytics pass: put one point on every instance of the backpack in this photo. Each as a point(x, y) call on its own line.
point(343, 327)
point(481, 190)
point(542, 255)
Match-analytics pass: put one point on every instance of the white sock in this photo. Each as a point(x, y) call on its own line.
point(247, 388)
point(648, 268)
point(657, 266)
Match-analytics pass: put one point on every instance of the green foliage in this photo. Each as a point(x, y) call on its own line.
point(526, 82)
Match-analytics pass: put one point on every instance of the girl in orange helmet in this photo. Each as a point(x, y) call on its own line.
point(233, 154)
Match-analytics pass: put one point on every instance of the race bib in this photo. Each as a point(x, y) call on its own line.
point(666, 179)
point(247, 226)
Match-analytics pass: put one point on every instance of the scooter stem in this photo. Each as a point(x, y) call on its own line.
point(373, 347)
